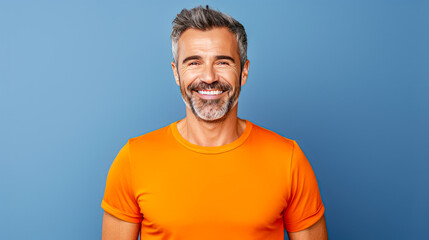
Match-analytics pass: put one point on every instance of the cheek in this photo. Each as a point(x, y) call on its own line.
point(230, 76)
point(188, 77)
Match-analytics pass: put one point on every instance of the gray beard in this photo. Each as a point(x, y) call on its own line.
point(210, 110)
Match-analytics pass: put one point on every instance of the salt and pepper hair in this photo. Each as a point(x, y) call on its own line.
point(206, 19)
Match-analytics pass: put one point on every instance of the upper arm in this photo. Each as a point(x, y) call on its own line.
point(119, 197)
point(304, 203)
point(317, 231)
point(116, 229)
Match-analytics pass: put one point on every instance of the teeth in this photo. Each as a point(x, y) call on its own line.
point(210, 92)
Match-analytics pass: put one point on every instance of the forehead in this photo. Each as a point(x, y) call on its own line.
point(216, 41)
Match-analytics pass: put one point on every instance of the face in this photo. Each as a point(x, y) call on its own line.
point(209, 72)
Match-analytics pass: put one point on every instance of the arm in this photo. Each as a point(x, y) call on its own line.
point(316, 232)
point(122, 218)
point(116, 229)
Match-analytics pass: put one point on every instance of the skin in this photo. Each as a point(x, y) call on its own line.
point(317, 231)
point(208, 46)
point(116, 229)
point(207, 56)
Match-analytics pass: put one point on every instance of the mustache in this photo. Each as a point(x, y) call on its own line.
point(195, 86)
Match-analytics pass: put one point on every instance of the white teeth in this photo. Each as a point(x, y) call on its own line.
point(215, 92)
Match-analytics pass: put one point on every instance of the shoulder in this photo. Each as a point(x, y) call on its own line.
point(150, 139)
point(270, 136)
point(270, 139)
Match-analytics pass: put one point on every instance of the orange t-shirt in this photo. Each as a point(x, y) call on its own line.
point(252, 188)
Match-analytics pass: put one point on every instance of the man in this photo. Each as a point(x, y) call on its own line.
point(211, 175)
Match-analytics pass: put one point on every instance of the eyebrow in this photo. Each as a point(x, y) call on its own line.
point(196, 57)
point(225, 57)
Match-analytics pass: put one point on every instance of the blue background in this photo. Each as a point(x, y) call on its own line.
point(347, 79)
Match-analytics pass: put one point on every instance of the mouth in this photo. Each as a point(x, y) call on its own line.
point(210, 93)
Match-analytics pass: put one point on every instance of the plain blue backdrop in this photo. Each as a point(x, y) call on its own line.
point(348, 80)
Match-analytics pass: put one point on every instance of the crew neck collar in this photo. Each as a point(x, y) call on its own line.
point(211, 150)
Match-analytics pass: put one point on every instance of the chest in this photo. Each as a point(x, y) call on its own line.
point(245, 193)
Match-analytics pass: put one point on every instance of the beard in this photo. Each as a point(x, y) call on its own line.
point(210, 110)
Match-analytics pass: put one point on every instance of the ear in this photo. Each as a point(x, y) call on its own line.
point(176, 75)
point(245, 72)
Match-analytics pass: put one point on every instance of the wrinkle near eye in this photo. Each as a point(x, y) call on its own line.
point(221, 67)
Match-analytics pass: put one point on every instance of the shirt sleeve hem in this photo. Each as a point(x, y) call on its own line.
point(119, 214)
point(305, 223)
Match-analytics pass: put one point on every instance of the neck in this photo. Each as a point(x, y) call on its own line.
point(211, 133)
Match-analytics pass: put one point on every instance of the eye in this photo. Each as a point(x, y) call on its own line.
point(223, 63)
point(193, 64)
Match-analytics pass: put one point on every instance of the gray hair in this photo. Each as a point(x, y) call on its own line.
point(206, 19)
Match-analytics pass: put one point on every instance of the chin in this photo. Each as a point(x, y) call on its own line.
point(211, 116)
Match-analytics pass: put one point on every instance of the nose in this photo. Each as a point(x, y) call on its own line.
point(209, 74)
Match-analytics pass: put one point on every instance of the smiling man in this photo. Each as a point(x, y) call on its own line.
point(211, 175)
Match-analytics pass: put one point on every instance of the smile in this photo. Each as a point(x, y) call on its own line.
point(210, 92)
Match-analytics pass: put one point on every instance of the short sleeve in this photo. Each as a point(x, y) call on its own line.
point(304, 207)
point(119, 199)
